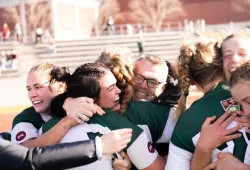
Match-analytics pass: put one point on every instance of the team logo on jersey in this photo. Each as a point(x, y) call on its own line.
point(20, 136)
point(230, 105)
point(151, 149)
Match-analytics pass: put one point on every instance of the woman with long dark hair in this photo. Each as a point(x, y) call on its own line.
point(96, 81)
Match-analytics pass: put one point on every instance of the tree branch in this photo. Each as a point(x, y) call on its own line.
point(241, 6)
point(155, 12)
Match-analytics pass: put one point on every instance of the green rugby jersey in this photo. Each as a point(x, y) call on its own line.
point(26, 124)
point(156, 120)
point(187, 129)
point(139, 149)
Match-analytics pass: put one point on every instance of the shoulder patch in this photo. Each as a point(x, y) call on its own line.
point(150, 147)
point(20, 136)
point(230, 104)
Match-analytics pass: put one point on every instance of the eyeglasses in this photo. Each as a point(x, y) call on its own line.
point(150, 82)
point(46, 82)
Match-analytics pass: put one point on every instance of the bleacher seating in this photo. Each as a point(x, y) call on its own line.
point(9, 72)
point(77, 52)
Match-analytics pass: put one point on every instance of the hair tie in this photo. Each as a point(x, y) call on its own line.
point(186, 94)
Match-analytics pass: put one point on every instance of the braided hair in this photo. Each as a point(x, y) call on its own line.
point(199, 63)
point(42, 67)
point(83, 82)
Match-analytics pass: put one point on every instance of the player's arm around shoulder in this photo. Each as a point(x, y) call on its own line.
point(52, 136)
point(26, 125)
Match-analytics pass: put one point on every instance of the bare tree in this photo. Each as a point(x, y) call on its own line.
point(241, 6)
point(36, 15)
point(106, 8)
point(154, 12)
point(13, 12)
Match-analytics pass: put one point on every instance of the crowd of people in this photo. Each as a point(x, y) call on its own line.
point(17, 32)
point(118, 113)
point(40, 35)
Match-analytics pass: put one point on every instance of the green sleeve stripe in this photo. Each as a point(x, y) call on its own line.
point(29, 115)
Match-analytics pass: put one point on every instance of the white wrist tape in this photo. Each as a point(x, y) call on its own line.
point(98, 143)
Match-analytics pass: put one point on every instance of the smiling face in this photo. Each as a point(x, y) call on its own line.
point(109, 95)
point(235, 52)
point(157, 73)
point(241, 94)
point(40, 91)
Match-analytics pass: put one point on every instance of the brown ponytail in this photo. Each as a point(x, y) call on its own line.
point(198, 63)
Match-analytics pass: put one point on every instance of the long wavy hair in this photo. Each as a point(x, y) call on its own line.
point(123, 72)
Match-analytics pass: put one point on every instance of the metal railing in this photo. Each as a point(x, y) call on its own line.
point(228, 26)
point(133, 28)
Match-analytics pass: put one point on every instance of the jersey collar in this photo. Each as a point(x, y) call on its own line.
point(218, 86)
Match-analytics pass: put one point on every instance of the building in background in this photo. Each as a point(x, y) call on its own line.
point(79, 19)
point(212, 11)
point(73, 19)
point(64, 19)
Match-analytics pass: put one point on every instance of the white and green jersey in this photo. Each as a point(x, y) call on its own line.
point(26, 124)
point(157, 121)
point(187, 130)
point(139, 150)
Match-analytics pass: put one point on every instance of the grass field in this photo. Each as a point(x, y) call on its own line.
point(8, 113)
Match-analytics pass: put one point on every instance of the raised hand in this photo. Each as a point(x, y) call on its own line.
point(215, 134)
point(116, 141)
